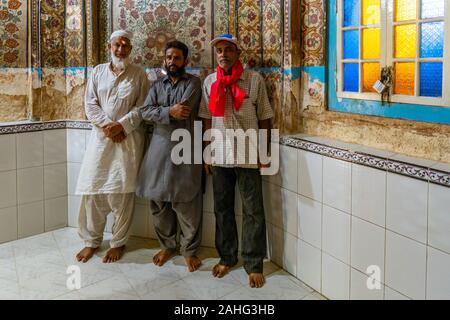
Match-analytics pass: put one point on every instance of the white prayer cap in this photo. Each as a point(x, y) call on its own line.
point(121, 33)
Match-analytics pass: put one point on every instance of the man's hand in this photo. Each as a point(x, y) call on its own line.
point(260, 165)
point(180, 111)
point(208, 169)
point(118, 138)
point(113, 129)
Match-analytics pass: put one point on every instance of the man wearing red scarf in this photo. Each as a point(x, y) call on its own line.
point(236, 99)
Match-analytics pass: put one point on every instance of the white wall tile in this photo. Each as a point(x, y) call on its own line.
point(139, 225)
point(30, 219)
point(310, 221)
point(309, 262)
point(369, 194)
point(109, 223)
point(55, 146)
point(405, 265)
point(367, 246)
point(73, 170)
point(8, 224)
point(337, 184)
point(407, 206)
point(439, 217)
point(275, 244)
point(56, 213)
point(287, 174)
point(151, 228)
point(390, 294)
point(271, 195)
point(282, 208)
point(336, 234)
point(87, 135)
point(239, 230)
point(335, 278)
point(55, 181)
point(74, 210)
point(310, 175)
point(30, 149)
point(8, 154)
point(359, 289)
point(290, 253)
point(30, 185)
point(208, 230)
point(208, 196)
point(76, 144)
point(438, 275)
point(141, 200)
point(8, 192)
point(238, 209)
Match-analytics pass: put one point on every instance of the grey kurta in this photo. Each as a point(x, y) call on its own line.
point(159, 178)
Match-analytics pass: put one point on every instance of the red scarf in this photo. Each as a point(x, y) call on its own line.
point(217, 96)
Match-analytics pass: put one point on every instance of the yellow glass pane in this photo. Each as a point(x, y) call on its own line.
point(371, 12)
point(371, 43)
point(404, 78)
point(405, 41)
point(405, 10)
point(371, 73)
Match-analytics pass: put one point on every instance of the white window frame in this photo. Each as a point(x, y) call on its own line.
point(387, 56)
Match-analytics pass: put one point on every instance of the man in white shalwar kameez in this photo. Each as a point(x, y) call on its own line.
point(107, 179)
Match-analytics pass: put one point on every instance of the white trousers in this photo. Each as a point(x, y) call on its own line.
point(92, 219)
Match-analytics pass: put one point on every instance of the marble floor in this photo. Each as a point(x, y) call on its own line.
point(36, 268)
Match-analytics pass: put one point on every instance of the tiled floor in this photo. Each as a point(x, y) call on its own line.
point(35, 268)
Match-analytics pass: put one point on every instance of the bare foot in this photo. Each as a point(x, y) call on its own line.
point(85, 254)
point(193, 263)
point(161, 257)
point(256, 280)
point(220, 270)
point(113, 254)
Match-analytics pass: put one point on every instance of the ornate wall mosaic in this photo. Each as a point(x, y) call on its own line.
point(154, 23)
point(75, 53)
point(313, 17)
point(221, 16)
point(52, 33)
point(249, 32)
point(272, 33)
point(13, 34)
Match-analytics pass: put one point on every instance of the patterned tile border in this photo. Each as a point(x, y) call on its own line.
point(31, 127)
point(394, 166)
point(6, 128)
point(85, 125)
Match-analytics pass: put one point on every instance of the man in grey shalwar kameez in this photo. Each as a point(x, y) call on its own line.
point(174, 190)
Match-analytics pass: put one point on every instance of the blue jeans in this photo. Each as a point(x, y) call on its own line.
point(253, 224)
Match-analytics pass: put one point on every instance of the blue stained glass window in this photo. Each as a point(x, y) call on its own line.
point(351, 77)
point(432, 8)
point(352, 9)
point(432, 40)
point(431, 79)
point(351, 44)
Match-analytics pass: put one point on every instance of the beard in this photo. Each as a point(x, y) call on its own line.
point(174, 71)
point(120, 63)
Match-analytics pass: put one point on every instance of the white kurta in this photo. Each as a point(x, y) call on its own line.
point(110, 167)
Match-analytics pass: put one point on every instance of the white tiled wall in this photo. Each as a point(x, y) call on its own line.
point(359, 225)
point(33, 188)
point(328, 221)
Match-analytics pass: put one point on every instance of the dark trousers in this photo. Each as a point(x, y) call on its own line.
point(253, 224)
